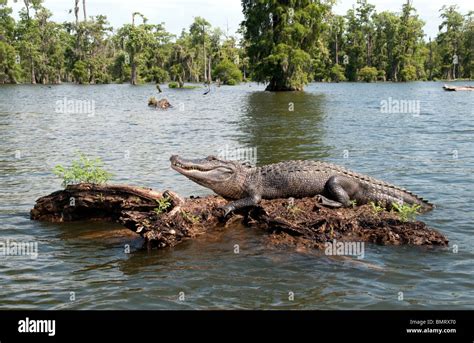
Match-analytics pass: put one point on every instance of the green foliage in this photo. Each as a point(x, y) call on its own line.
point(337, 73)
point(228, 73)
point(158, 75)
point(9, 69)
point(377, 208)
point(285, 44)
point(173, 85)
point(381, 76)
point(120, 69)
point(282, 37)
point(293, 209)
point(189, 217)
point(163, 205)
point(406, 212)
point(368, 74)
point(80, 72)
point(83, 170)
point(408, 73)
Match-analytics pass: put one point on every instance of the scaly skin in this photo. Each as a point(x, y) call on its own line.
point(333, 185)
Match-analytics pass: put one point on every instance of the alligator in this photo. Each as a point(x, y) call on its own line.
point(330, 184)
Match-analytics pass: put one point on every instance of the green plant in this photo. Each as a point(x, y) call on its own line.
point(376, 207)
point(368, 74)
point(80, 72)
point(228, 72)
point(353, 203)
point(83, 170)
point(408, 73)
point(163, 204)
point(193, 219)
point(406, 212)
point(173, 85)
point(337, 73)
point(293, 209)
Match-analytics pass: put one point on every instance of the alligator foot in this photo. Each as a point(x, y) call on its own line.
point(224, 211)
point(327, 202)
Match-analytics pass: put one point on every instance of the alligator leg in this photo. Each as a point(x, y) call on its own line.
point(337, 188)
point(241, 203)
point(327, 202)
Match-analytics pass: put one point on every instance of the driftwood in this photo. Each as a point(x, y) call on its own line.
point(162, 103)
point(458, 88)
point(287, 221)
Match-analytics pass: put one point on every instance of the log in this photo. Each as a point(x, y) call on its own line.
point(292, 222)
point(458, 88)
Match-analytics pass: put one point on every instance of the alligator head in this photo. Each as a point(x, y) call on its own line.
point(225, 178)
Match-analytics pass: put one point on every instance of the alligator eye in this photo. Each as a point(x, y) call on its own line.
point(212, 158)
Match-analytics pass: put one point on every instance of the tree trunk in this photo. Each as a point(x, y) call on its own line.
point(133, 76)
point(205, 64)
point(27, 8)
point(84, 9)
point(369, 50)
point(209, 79)
point(133, 79)
point(430, 76)
point(33, 75)
point(76, 11)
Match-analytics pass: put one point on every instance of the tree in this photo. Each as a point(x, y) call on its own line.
point(282, 37)
point(387, 44)
point(9, 68)
point(80, 72)
point(410, 44)
point(337, 73)
point(355, 45)
point(199, 32)
point(368, 74)
point(228, 72)
point(134, 39)
point(468, 43)
point(28, 37)
point(450, 40)
point(285, 43)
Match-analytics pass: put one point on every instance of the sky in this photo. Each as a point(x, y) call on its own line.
point(227, 14)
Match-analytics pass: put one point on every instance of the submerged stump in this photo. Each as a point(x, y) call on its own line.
point(162, 103)
point(165, 219)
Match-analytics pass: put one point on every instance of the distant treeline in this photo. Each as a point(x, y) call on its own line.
point(361, 45)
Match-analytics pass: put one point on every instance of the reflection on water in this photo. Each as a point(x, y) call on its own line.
point(284, 126)
point(334, 122)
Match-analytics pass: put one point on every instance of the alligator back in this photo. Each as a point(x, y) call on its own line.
point(308, 178)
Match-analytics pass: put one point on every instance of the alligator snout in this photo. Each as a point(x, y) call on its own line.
point(175, 161)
